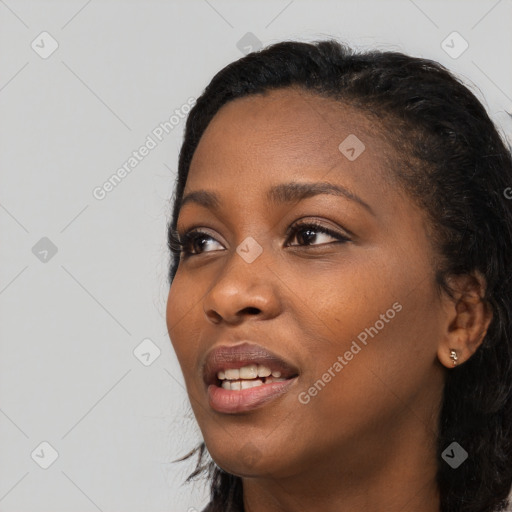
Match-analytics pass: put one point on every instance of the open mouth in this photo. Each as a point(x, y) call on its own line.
point(240, 390)
point(249, 376)
point(246, 376)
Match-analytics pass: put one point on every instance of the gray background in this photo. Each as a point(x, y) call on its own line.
point(71, 320)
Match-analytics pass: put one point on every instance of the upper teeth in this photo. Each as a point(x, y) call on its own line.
point(251, 371)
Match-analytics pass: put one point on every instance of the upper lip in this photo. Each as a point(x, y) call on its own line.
point(235, 356)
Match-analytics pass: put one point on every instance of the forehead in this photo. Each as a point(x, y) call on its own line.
point(289, 134)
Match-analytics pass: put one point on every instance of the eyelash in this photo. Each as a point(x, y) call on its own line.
point(183, 246)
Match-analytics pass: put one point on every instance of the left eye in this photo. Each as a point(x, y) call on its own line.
point(312, 231)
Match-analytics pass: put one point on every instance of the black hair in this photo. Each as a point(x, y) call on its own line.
point(452, 160)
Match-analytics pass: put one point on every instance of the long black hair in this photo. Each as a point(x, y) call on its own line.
point(456, 164)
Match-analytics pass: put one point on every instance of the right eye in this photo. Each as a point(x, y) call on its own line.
point(191, 243)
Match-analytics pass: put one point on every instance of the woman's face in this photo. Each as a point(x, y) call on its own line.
point(355, 314)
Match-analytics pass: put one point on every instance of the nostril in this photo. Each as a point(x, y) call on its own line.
point(213, 316)
point(252, 311)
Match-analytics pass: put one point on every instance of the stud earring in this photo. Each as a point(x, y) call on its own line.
point(453, 356)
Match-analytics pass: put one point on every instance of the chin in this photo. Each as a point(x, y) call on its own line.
point(249, 460)
point(244, 468)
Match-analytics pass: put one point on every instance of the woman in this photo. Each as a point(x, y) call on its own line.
point(340, 285)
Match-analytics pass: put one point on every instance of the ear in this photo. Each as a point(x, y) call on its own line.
point(467, 319)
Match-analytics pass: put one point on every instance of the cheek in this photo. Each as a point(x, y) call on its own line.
point(183, 306)
point(338, 299)
point(380, 318)
point(175, 306)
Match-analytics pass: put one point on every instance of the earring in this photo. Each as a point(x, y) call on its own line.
point(453, 356)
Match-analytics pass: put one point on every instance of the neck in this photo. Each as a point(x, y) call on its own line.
point(389, 471)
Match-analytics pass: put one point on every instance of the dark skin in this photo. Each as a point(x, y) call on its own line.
point(367, 441)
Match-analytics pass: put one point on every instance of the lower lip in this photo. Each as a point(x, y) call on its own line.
point(232, 402)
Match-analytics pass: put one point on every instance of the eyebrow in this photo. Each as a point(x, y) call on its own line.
point(279, 194)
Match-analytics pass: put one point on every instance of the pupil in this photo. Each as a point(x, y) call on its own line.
point(197, 242)
point(310, 235)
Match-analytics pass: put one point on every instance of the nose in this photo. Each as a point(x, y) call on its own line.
point(242, 289)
